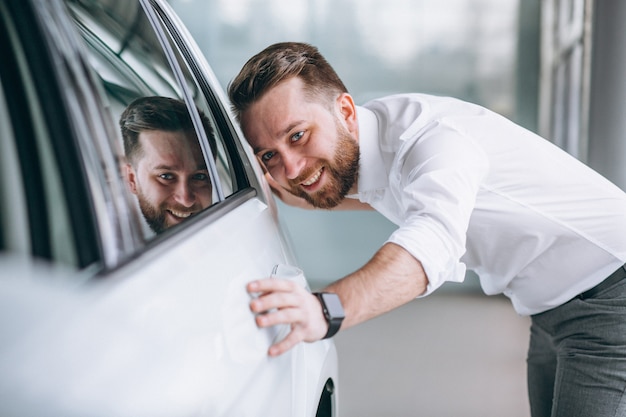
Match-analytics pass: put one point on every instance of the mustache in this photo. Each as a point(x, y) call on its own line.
point(305, 175)
point(181, 209)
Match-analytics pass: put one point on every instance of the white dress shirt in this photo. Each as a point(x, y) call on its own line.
point(470, 189)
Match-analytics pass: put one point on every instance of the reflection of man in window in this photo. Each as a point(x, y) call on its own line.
point(165, 166)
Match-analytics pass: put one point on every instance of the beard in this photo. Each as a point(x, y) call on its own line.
point(156, 216)
point(342, 173)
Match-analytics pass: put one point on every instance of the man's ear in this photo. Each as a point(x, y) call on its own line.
point(131, 178)
point(347, 108)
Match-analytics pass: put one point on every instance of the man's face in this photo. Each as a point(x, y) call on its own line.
point(170, 178)
point(308, 148)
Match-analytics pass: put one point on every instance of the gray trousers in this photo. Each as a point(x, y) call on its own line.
point(577, 356)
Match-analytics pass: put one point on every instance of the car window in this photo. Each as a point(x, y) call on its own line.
point(142, 69)
point(35, 213)
point(13, 208)
point(66, 192)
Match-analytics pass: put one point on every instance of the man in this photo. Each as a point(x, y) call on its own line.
point(165, 167)
point(468, 189)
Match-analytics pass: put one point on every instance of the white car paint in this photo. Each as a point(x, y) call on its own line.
point(191, 347)
point(156, 327)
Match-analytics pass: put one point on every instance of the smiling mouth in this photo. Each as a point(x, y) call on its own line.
point(180, 214)
point(313, 179)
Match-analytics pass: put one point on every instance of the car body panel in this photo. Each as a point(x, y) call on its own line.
point(136, 327)
point(171, 354)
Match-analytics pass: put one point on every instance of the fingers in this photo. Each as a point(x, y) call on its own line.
point(285, 195)
point(276, 188)
point(279, 301)
point(272, 182)
point(280, 316)
point(282, 302)
point(284, 345)
point(271, 285)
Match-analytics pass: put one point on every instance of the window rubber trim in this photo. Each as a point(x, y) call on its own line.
point(157, 25)
point(234, 152)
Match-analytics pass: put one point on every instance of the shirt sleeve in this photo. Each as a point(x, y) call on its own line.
point(438, 173)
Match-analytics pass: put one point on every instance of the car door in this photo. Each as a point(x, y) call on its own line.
point(160, 324)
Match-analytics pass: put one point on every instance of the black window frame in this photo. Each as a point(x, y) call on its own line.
point(237, 165)
point(68, 160)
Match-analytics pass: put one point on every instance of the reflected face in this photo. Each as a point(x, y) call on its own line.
point(310, 149)
point(170, 178)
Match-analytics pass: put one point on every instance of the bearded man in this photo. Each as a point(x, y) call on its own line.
point(468, 189)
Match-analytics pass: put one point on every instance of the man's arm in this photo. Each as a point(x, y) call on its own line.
point(390, 279)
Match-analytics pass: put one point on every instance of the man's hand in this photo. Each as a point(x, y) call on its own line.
point(285, 302)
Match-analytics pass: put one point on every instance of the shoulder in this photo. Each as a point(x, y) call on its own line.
point(397, 105)
point(396, 114)
point(403, 115)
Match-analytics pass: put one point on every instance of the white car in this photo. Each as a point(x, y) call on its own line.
point(99, 314)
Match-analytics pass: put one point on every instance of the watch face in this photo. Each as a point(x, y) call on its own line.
point(333, 305)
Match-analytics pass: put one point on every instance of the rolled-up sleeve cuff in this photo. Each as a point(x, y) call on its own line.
point(436, 259)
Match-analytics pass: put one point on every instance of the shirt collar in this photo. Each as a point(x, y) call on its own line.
point(372, 172)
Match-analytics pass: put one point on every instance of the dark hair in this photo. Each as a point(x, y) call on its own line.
point(158, 113)
point(280, 62)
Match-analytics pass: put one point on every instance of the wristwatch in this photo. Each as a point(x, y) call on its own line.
point(333, 311)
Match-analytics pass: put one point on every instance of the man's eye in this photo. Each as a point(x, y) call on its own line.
point(201, 177)
point(297, 136)
point(267, 156)
point(166, 176)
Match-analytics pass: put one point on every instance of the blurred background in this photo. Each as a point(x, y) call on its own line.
point(554, 66)
point(529, 60)
point(462, 48)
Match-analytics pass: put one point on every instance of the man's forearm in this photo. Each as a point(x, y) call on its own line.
point(390, 279)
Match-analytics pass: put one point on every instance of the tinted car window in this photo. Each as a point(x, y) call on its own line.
point(13, 222)
point(134, 61)
point(35, 209)
point(62, 202)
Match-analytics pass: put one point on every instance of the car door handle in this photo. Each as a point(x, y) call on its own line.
point(290, 273)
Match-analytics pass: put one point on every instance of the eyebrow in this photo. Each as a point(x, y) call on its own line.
point(290, 127)
point(281, 133)
point(164, 168)
point(173, 168)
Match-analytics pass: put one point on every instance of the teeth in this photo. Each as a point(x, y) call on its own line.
point(180, 214)
point(313, 179)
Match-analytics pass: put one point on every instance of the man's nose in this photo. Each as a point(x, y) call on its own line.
point(293, 163)
point(184, 194)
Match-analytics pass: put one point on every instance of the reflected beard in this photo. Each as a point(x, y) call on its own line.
point(156, 216)
point(342, 174)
